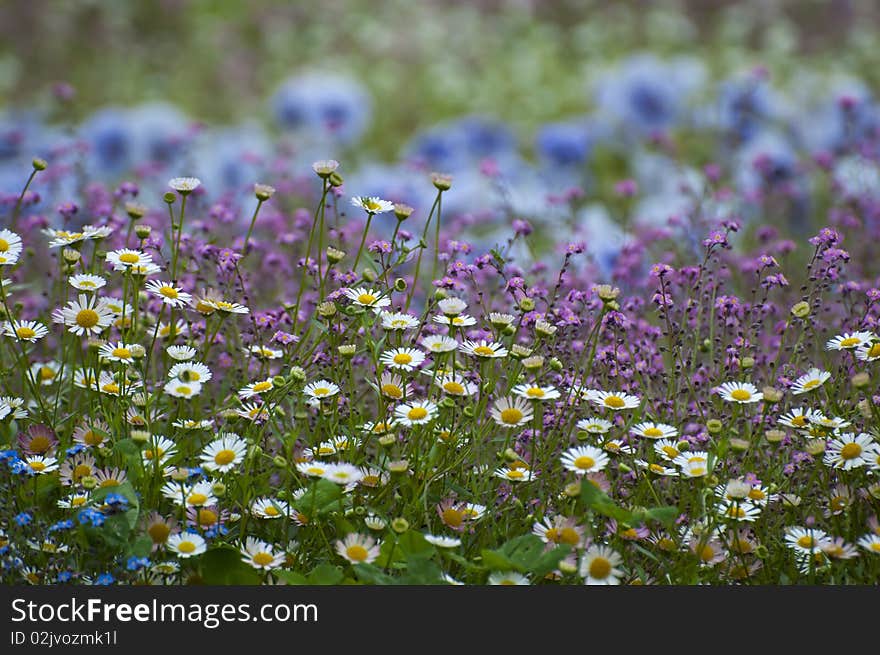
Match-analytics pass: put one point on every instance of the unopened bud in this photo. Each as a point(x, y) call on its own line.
point(801, 309)
point(400, 525)
point(402, 212)
point(39, 164)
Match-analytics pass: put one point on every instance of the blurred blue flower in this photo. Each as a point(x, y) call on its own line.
point(110, 136)
point(23, 518)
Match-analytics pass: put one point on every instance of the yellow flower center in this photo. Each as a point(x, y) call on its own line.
point(169, 292)
point(39, 444)
point(204, 308)
point(811, 384)
point(511, 416)
point(875, 546)
point(600, 568)
point(535, 392)
point(372, 205)
point(656, 468)
point(325, 450)
point(670, 452)
point(87, 318)
point(321, 391)
point(4, 245)
point(86, 284)
point(260, 387)
point(800, 421)
point(78, 501)
point(366, 299)
point(736, 512)
point(838, 504)
point(186, 547)
point(392, 390)
point(741, 394)
point(707, 553)
point(653, 432)
point(81, 471)
point(756, 494)
point(615, 401)
point(224, 457)
point(452, 517)
point(197, 499)
point(850, 451)
point(207, 517)
point(584, 462)
point(665, 543)
point(417, 413)
point(875, 350)
point(357, 553)
point(129, 258)
point(849, 342)
point(110, 387)
point(453, 387)
point(37, 466)
point(484, 351)
point(121, 353)
point(515, 474)
point(263, 559)
point(805, 542)
point(45, 373)
point(25, 332)
point(403, 359)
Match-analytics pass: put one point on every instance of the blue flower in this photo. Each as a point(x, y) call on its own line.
point(23, 519)
point(110, 137)
point(75, 449)
point(67, 524)
point(91, 516)
point(136, 563)
point(105, 579)
point(64, 576)
point(116, 501)
point(564, 144)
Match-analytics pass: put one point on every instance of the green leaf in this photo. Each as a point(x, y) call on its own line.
point(373, 575)
point(223, 566)
point(142, 547)
point(414, 545)
point(322, 498)
point(598, 501)
point(325, 574)
point(423, 571)
point(524, 554)
point(290, 577)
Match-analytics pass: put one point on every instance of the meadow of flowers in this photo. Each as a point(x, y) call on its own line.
point(641, 349)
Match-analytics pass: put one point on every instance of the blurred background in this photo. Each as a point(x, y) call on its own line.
point(600, 115)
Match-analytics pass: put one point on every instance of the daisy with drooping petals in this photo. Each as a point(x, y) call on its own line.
point(367, 297)
point(169, 293)
point(270, 508)
point(508, 579)
point(260, 555)
point(85, 315)
point(184, 185)
point(805, 540)
point(594, 425)
point(392, 386)
point(443, 541)
point(224, 453)
point(256, 388)
point(456, 321)
point(226, 307)
point(398, 321)
point(416, 412)
point(120, 352)
point(320, 390)
point(405, 359)
point(514, 473)
point(31, 331)
point(536, 392)
point(738, 510)
point(372, 204)
point(613, 400)
point(847, 451)
point(869, 352)
point(483, 348)
point(651, 430)
point(871, 543)
point(584, 459)
point(511, 412)
point(850, 340)
point(185, 390)
point(358, 549)
point(656, 469)
point(186, 544)
point(180, 354)
point(439, 343)
point(126, 258)
point(740, 392)
point(598, 566)
point(87, 282)
point(812, 379)
point(455, 386)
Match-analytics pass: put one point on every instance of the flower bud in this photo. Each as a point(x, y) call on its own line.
point(169, 197)
point(771, 394)
point(335, 179)
point(747, 362)
point(279, 462)
point(297, 374)
point(263, 192)
point(441, 182)
point(347, 349)
point(39, 164)
point(400, 285)
point(400, 525)
point(70, 255)
point(135, 211)
point(143, 231)
point(774, 436)
point(326, 309)
point(526, 304)
point(402, 212)
point(334, 255)
point(88, 482)
point(860, 380)
point(801, 309)
point(714, 426)
point(368, 274)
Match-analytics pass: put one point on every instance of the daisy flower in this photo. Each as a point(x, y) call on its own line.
point(667, 449)
point(405, 359)
point(87, 282)
point(125, 258)
point(186, 544)
point(256, 388)
point(847, 451)
point(443, 541)
point(738, 510)
point(224, 453)
point(559, 530)
point(455, 386)
point(805, 540)
point(184, 185)
point(342, 473)
point(166, 332)
point(508, 579)
point(367, 297)
point(169, 293)
point(180, 354)
point(740, 392)
point(85, 315)
point(511, 412)
point(456, 321)
point(514, 474)
point(325, 167)
point(253, 412)
point(160, 449)
point(14, 405)
point(657, 469)
point(358, 549)
point(45, 373)
point(584, 459)
point(270, 508)
point(850, 340)
point(536, 392)
point(320, 390)
point(190, 372)
point(811, 380)
point(398, 321)
point(372, 204)
point(41, 464)
point(693, 464)
point(120, 352)
point(10, 247)
point(439, 343)
point(31, 331)
point(416, 412)
point(179, 389)
point(796, 417)
point(264, 352)
point(871, 543)
point(869, 352)
point(483, 348)
point(452, 306)
point(613, 400)
point(260, 555)
point(594, 425)
point(392, 386)
point(655, 431)
point(598, 566)
point(837, 548)
point(312, 469)
point(226, 307)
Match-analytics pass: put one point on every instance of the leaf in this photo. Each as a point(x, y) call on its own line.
point(290, 577)
point(524, 554)
point(414, 545)
point(325, 574)
point(423, 572)
point(142, 547)
point(223, 566)
point(322, 498)
point(373, 575)
point(598, 501)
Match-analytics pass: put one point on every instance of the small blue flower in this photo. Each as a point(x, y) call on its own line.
point(105, 579)
point(24, 518)
point(91, 516)
point(116, 501)
point(136, 563)
point(64, 576)
point(61, 525)
point(75, 449)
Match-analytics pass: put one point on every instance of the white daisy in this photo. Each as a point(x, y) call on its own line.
point(416, 412)
point(613, 400)
point(651, 430)
point(256, 388)
point(87, 282)
point(367, 297)
point(594, 425)
point(514, 474)
point(10, 247)
point(179, 389)
point(536, 392)
point(455, 386)
point(740, 392)
point(598, 566)
point(439, 343)
point(186, 544)
point(812, 379)
point(508, 579)
point(126, 258)
point(184, 185)
point(270, 508)
point(511, 412)
point(358, 549)
point(398, 321)
point(180, 354)
point(224, 453)
point(169, 293)
point(850, 340)
point(260, 555)
point(85, 315)
point(483, 348)
point(31, 331)
point(847, 451)
point(405, 359)
point(372, 204)
point(584, 459)
point(442, 541)
point(320, 390)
